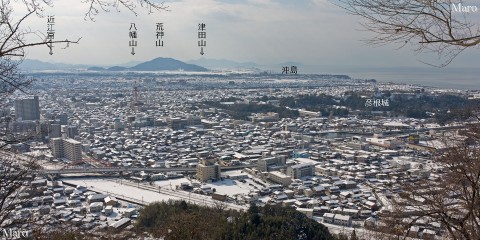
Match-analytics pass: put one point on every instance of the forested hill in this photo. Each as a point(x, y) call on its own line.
point(179, 220)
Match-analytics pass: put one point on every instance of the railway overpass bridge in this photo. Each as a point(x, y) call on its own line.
point(128, 169)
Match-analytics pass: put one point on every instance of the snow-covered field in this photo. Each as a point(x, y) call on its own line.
point(171, 182)
point(121, 189)
point(230, 187)
point(145, 193)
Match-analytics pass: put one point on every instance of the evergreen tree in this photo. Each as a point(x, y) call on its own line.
point(353, 236)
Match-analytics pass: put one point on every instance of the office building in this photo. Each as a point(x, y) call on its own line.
point(176, 123)
point(208, 170)
point(300, 170)
point(71, 131)
point(54, 131)
point(63, 118)
point(24, 126)
point(280, 178)
point(271, 163)
point(27, 109)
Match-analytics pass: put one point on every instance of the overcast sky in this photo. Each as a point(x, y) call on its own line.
point(313, 32)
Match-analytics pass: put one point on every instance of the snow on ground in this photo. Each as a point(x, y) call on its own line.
point(233, 172)
point(230, 187)
point(227, 186)
point(122, 190)
point(265, 199)
point(171, 182)
point(145, 193)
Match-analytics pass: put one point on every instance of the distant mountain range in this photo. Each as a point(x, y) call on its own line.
point(222, 63)
point(37, 65)
point(162, 64)
point(157, 64)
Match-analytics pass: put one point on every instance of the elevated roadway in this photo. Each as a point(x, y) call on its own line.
point(128, 169)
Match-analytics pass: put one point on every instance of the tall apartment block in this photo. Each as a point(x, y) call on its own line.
point(57, 147)
point(67, 148)
point(27, 108)
point(72, 149)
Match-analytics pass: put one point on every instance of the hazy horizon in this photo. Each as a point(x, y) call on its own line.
point(465, 78)
point(267, 32)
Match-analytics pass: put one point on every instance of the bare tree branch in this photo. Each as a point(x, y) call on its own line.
point(95, 6)
point(428, 25)
point(452, 199)
point(15, 177)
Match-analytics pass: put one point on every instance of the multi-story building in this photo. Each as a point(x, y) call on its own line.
point(271, 163)
point(117, 124)
point(265, 117)
point(280, 178)
point(54, 131)
point(193, 120)
point(57, 147)
point(207, 170)
point(300, 170)
point(66, 148)
point(25, 126)
point(72, 149)
point(176, 123)
point(71, 131)
point(27, 108)
point(63, 118)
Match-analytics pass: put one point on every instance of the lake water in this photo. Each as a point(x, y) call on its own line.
point(456, 78)
point(448, 77)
